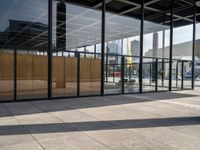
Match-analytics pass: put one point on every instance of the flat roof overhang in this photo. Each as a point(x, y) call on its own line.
point(83, 25)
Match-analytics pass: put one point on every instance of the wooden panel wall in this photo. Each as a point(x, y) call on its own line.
point(71, 69)
point(32, 71)
point(58, 71)
point(85, 69)
point(90, 76)
point(6, 76)
point(6, 66)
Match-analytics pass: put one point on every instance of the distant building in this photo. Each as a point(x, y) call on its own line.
point(135, 48)
point(180, 51)
point(113, 48)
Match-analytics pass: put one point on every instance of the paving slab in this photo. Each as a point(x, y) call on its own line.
point(150, 121)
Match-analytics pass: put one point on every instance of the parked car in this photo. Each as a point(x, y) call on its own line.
point(174, 78)
point(197, 79)
point(126, 82)
point(188, 75)
point(116, 74)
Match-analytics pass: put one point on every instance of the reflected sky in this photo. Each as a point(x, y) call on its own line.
point(26, 10)
point(85, 24)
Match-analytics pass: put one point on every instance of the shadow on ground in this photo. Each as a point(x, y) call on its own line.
point(25, 108)
point(97, 125)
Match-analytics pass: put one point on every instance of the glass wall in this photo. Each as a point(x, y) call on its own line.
point(64, 75)
point(6, 74)
point(90, 75)
point(76, 33)
point(24, 28)
point(156, 47)
point(76, 48)
point(182, 49)
point(197, 57)
point(32, 72)
point(122, 38)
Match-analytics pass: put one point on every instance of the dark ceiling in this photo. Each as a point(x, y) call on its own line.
point(155, 10)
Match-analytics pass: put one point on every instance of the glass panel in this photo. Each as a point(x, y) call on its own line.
point(90, 75)
point(113, 82)
point(76, 29)
point(64, 75)
point(149, 74)
point(163, 71)
point(31, 75)
point(6, 74)
point(131, 74)
point(182, 47)
point(197, 57)
point(187, 75)
point(182, 42)
point(176, 75)
point(24, 28)
point(156, 45)
point(122, 38)
point(90, 48)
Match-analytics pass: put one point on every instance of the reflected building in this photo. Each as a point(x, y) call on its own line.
point(25, 35)
point(181, 51)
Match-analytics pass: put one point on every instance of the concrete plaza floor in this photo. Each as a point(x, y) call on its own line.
point(151, 121)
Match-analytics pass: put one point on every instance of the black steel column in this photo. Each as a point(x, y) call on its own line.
point(95, 51)
point(194, 46)
point(50, 8)
point(102, 45)
point(156, 75)
point(150, 73)
point(129, 70)
point(182, 74)
point(163, 72)
point(107, 62)
point(155, 55)
point(141, 45)
point(113, 73)
point(15, 75)
point(177, 70)
point(84, 51)
point(122, 73)
point(171, 44)
point(78, 74)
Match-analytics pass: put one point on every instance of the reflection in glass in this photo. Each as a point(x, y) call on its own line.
point(182, 46)
point(131, 74)
point(24, 28)
point(76, 32)
point(6, 74)
point(122, 38)
point(163, 74)
point(197, 58)
point(156, 45)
